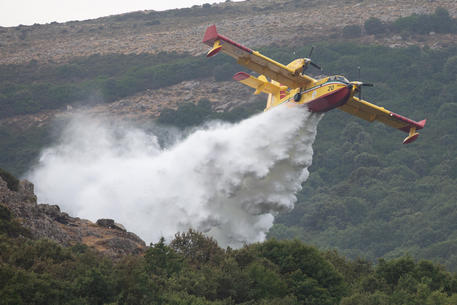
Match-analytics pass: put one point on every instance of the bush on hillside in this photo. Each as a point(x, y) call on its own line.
point(11, 181)
point(352, 31)
point(439, 22)
point(374, 26)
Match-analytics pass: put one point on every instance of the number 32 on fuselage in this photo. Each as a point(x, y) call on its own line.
point(289, 84)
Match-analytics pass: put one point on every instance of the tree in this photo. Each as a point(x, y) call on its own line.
point(266, 281)
point(311, 278)
point(374, 26)
point(162, 260)
point(197, 248)
point(352, 31)
point(11, 182)
point(10, 226)
point(442, 22)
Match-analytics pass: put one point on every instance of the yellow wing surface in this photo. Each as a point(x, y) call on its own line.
point(371, 113)
point(255, 61)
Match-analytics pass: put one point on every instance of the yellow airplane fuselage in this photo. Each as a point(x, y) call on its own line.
point(323, 95)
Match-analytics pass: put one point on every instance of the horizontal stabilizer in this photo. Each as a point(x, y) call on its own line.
point(216, 48)
point(260, 84)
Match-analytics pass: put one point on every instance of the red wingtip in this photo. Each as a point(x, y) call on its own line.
point(422, 123)
point(210, 35)
point(240, 76)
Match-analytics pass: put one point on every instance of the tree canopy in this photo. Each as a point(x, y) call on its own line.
point(193, 269)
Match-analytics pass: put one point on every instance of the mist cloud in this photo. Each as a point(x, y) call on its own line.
point(228, 180)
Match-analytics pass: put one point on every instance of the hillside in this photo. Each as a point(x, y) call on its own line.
point(255, 23)
point(128, 41)
point(367, 195)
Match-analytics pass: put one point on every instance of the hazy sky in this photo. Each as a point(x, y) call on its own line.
point(27, 12)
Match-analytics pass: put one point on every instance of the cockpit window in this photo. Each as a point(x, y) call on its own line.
point(338, 78)
point(342, 79)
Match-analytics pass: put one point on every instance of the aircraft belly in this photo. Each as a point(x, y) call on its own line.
point(329, 100)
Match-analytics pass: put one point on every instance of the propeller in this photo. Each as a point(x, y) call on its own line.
point(308, 61)
point(315, 65)
point(360, 84)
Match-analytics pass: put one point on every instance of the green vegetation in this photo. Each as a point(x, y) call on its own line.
point(375, 26)
point(20, 148)
point(11, 181)
point(31, 88)
point(352, 31)
point(194, 270)
point(10, 227)
point(439, 22)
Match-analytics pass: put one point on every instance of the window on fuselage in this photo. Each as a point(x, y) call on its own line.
point(342, 79)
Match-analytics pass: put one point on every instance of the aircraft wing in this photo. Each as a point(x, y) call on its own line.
point(255, 61)
point(371, 112)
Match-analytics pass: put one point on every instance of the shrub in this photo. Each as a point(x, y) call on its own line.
point(11, 181)
point(352, 31)
point(9, 226)
point(439, 22)
point(374, 26)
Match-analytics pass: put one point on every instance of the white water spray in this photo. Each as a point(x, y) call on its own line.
point(228, 180)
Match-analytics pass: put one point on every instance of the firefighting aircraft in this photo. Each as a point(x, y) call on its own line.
point(289, 84)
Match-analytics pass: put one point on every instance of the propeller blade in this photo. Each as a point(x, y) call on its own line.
point(315, 65)
point(362, 84)
point(311, 52)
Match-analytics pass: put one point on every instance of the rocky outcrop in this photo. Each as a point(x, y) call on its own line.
point(48, 221)
point(110, 224)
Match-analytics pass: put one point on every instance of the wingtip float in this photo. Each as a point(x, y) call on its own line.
point(290, 84)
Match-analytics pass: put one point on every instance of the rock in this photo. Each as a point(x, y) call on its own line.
point(189, 85)
point(107, 223)
point(119, 226)
point(48, 221)
point(110, 224)
point(120, 246)
point(26, 189)
point(53, 211)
